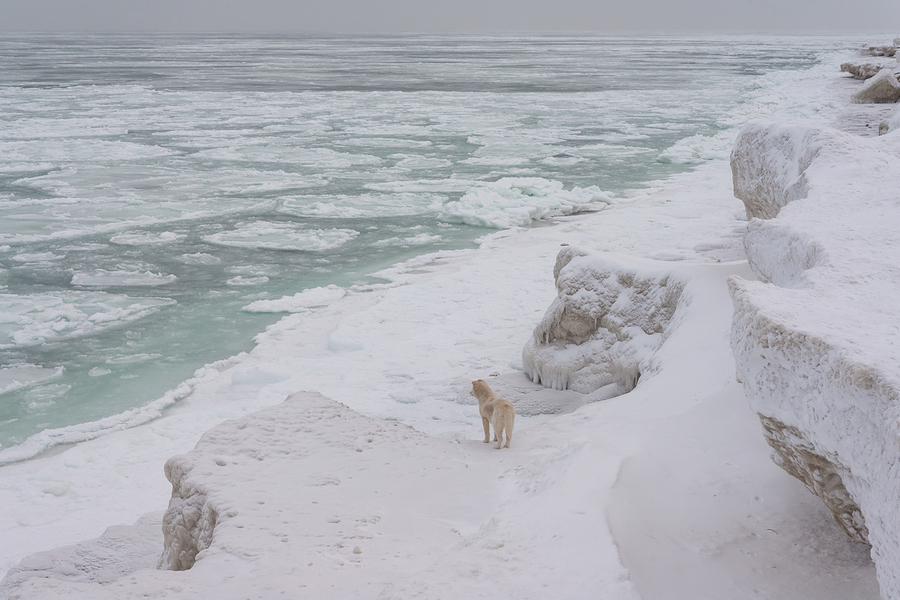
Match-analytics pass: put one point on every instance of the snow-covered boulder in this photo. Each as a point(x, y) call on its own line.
point(599, 334)
point(816, 340)
point(864, 69)
point(885, 50)
point(883, 87)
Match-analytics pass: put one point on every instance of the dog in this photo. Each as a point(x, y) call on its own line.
point(499, 413)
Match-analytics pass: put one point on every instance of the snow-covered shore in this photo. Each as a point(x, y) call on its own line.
point(571, 505)
point(665, 492)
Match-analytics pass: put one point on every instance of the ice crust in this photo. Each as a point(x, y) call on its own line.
point(600, 333)
point(815, 340)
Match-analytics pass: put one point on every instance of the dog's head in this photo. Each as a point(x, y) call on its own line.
point(480, 388)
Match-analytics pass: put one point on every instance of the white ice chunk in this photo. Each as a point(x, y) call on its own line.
point(121, 278)
point(516, 202)
point(281, 236)
point(300, 301)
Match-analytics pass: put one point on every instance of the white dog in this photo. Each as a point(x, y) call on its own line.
point(498, 412)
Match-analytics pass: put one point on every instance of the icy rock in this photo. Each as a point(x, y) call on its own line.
point(600, 332)
point(867, 68)
point(883, 87)
point(886, 50)
point(816, 342)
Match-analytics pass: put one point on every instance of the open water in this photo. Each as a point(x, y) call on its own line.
point(157, 190)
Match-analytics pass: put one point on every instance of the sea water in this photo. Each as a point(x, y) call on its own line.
point(157, 190)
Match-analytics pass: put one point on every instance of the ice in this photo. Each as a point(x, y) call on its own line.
point(600, 334)
point(146, 239)
point(38, 319)
point(420, 239)
point(516, 202)
point(282, 236)
point(815, 339)
point(200, 258)
point(299, 302)
point(18, 376)
point(104, 278)
point(698, 148)
point(246, 281)
point(680, 451)
point(363, 205)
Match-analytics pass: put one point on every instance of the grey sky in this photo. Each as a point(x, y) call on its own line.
point(449, 16)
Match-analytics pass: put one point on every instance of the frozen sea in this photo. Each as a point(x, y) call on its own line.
point(166, 200)
point(160, 194)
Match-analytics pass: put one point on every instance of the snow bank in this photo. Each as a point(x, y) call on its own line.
point(816, 340)
point(599, 334)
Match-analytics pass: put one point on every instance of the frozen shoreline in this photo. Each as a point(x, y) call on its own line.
point(471, 318)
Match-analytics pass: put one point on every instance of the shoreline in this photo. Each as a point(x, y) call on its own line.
point(661, 206)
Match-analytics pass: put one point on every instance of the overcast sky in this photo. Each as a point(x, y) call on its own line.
point(451, 15)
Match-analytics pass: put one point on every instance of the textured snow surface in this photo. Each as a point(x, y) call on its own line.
point(816, 341)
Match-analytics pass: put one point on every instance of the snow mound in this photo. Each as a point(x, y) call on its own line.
point(516, 202)
point(599, 334)
point(815, 341)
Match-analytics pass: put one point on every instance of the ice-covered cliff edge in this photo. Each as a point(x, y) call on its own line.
point(816, 340)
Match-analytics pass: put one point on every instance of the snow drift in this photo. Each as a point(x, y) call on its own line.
point(816, 340)
point(600, 332)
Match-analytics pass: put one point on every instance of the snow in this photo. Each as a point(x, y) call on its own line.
point(816, 339)
point(893, 124)
point(561, 512)
point(600, 333)
point(664, 492)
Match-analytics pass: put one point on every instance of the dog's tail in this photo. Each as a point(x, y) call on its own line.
point(506, 422)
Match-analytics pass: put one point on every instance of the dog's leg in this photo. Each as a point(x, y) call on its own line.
point(487, 429)
point(498, 432)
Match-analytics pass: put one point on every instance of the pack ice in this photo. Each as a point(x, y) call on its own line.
point(816, 340)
